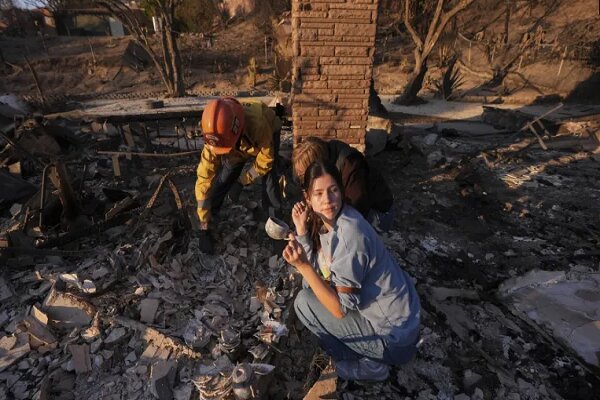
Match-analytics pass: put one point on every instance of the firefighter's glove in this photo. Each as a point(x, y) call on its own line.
point(235, 191)
point(206, 242)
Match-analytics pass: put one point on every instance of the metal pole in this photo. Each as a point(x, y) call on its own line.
point(43, 194)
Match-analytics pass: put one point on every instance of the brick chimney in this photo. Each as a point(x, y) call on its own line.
point(334, 44)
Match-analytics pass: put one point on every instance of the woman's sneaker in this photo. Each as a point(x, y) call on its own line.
point(364, 369)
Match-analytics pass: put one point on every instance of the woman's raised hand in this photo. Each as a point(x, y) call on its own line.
point(300, 217)
point(294, 253)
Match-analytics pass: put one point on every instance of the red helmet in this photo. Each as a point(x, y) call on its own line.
point(222, 124)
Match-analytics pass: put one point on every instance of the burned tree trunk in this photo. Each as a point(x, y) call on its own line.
point(172, 61)
point(178, 86)
point(424, 45)
point(415, 84)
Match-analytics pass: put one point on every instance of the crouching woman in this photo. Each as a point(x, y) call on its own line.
point(361, 305)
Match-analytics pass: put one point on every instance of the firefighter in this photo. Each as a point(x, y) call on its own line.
point(235, 133)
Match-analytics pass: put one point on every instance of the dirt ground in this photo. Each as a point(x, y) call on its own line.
point(78, 65)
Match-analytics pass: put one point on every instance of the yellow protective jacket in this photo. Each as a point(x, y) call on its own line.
point(256, 142)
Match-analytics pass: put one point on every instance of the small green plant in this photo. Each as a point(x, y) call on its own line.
point(452, 80)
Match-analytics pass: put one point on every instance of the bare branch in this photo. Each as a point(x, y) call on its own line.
point(434, 21)
point(447, 17)
point(407, 22)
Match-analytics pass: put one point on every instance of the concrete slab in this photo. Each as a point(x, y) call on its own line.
point(67, 311)
point(454, 110)
point(123, 110)
point(148, 308)
point(463, 128)
point(568, 304)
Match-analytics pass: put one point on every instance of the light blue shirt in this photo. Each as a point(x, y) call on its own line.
point(352, 255)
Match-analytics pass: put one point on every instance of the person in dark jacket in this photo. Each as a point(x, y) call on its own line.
point(364, 187)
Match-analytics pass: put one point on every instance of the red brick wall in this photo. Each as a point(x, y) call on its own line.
point(334, 44)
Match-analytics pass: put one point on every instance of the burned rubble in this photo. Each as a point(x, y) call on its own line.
point(105, 294)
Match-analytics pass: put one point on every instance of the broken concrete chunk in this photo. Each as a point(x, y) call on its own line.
point(560, 302)
point(95, 346)
point(20, 392)
point(116, 335)
point(98, 361)
point(9, 378)
point(141, 369)
point(39, 335)
point(255, 304)
point(39, 315)
point(148, 308)
point(430, 139)
point(183, 391)
point(5, 291)
point(81, 358)
point(162, 378)
point(107, 354)
point(477, 395)
point(471, 378)
point(586, 340)
point(148, 354)
point(7, 343)
point(131, 357)
point(68, 311)
point(68, 366)
point(12, 349)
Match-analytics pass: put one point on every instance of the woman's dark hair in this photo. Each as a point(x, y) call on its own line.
point(314, 171)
